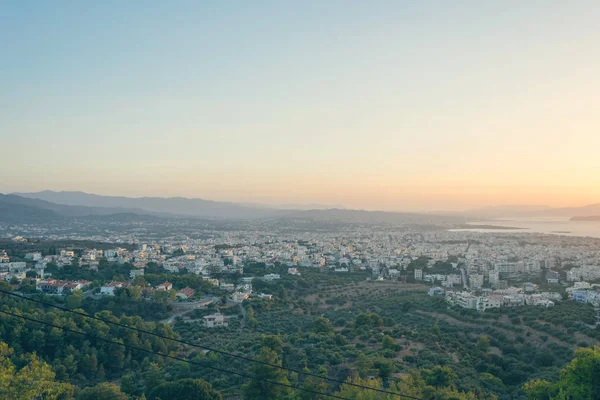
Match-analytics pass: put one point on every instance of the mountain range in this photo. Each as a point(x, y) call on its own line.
point(47, 205)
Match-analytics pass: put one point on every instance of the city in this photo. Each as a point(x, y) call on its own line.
point(299, 200)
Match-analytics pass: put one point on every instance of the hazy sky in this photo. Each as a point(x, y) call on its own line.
point(392, 105)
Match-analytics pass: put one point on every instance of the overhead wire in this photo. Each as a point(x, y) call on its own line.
point(244, 375)
point(249, 359)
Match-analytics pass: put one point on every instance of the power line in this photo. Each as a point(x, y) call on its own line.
point(173, 357)
point(207, 348)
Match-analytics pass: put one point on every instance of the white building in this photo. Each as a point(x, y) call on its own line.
point(239, 297)
point(216, 320)
point(418, 274)
point(109, 288)
point(271, 277)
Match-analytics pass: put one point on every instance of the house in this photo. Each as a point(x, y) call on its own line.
point(265, 296)
point(185, 293)
point(17, 267)
point(230, 287)
point(293, 271)
point(36, 256)
point(271, 277)
point(513, 300)
point(109, 288)
point(528, 287)
point(136, 272)
point(60, 287)
point(489, 302)
point(435, 291)
point(239, 297)
point(216, 320)
point(165, 286)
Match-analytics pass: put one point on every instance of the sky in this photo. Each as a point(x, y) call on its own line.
point(388, 105)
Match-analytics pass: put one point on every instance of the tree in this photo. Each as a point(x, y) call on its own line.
point(439, 376)
point(483, 343)
point(185, 389)
point(153, 377)
point(75, 299)
point(322, 325)
point(103, 391)
point(538, 389)
point(580, 379)
point(389, 343)
point(31, 274)
point(315, 384)
point(33, 381)
point(128, 385)
point(259, 389)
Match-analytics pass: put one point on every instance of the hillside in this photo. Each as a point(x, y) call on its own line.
point(172, 205)
point(591, 218)
point(194, 207)
point(13, 212)
point(17, 209)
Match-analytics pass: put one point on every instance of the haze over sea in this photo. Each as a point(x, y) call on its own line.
point(551, 225)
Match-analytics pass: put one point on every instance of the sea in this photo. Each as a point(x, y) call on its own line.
point(550, 225)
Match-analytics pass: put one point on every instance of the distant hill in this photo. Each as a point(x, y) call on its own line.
point(66, 210)
point(17, 209)
point(13, 212)
point(200, 208)
point(591, 218)
point(158, 205)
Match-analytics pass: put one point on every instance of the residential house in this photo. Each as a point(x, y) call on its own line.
point(216, 320)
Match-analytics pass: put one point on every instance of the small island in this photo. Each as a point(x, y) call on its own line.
point(591, 218)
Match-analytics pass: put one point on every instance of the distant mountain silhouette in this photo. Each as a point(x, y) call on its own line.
point(179, 206)
point(18, 209)
point(14, 212)
point(175, 206)
point(591, 218)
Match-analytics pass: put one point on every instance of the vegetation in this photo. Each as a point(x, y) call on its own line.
point(385, 335)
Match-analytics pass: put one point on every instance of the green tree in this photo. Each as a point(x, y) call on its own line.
point(35, 380)
point(75, 299)
point(185, 389)
point(128, 385)
point(323, 325)
point(103, 391)
point(580, 379)
point(538, 389)
point(153, 377)
point(439, 376)
point(389, 343)
point(315, 384)
point(259, 389)
point(483, 343)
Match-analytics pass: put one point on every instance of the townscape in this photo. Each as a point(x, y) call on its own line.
point(299, 200)
point(214, 281)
